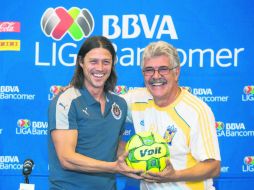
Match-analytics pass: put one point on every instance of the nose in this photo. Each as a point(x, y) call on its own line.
point(156, 74)
point(99, 66)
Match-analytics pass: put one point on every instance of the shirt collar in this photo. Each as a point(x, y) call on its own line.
point(89, 99)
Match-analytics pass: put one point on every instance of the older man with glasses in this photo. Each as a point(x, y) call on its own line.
point(186, 122)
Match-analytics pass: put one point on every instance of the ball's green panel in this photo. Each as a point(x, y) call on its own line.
point(153, 165)
point(131, 156)
point(128, 162)
point(146, 137)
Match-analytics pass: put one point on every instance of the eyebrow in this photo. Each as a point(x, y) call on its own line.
point(95, 58)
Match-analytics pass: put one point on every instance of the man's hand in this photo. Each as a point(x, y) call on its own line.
point(201, 171)
point(167, 175)
point(123, 168)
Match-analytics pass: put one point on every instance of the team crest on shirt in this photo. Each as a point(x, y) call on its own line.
point(170, 133)
point(116, 111)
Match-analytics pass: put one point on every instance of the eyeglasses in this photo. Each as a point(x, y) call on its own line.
point(162, 70)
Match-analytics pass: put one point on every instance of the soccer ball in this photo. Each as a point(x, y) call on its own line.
point(147, 151)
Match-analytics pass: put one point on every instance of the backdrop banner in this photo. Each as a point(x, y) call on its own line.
point(38, 45)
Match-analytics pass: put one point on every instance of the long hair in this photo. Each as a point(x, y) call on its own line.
point(91, 43)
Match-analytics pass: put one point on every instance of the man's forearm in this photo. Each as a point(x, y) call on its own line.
point(203, 170)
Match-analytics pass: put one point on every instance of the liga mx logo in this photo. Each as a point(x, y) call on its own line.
point(23, 123)
point(121, 89)
point(219, 125)
point(55, 89)
point(248, 90)
point(248, 164)
point(248, 93)
point(249, 160)
point(57, 22)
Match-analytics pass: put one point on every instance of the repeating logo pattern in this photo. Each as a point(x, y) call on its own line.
point(248, 89)
point(219, 125)
point(249, 160)
point(56, 23)
point(23, 123)
point(55, 89)
point(121, 89)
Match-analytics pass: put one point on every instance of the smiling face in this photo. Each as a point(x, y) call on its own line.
point(97, 65)
point(163, 87)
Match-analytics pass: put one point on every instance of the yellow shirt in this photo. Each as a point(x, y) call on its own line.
point(188, 125)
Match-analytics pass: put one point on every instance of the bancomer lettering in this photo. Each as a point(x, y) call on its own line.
point(6, 96)
point(223, 58)
point(4, 166)
point(214, 98)
point(206, 95)
point(13, 92)
point(131, 56)
point(230, 133)
point(10, 162)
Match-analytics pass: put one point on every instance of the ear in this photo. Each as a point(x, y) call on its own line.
point(80, 63)
point(177, 73)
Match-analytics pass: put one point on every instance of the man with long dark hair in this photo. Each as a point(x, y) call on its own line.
point(86, 123)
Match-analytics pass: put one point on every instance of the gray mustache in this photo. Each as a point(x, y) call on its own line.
point(160, 80)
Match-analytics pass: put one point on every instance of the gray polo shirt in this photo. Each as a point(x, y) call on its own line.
point(98, 136)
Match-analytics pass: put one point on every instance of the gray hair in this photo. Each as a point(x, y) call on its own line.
point(161, 48)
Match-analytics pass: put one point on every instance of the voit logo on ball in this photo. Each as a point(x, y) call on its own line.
point(26, 127)
point(248, 93)
point(57, 22)
point(248, 165)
